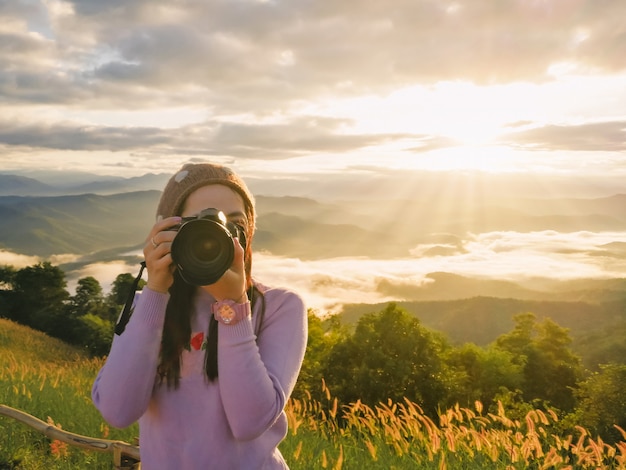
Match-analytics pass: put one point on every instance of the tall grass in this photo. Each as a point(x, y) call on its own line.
point(52, 381)
point(399, 435)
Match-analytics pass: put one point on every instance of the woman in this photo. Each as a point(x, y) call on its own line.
point(208, 390)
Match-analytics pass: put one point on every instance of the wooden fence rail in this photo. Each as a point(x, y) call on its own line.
point(125, 456)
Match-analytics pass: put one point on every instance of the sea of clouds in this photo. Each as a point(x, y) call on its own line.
point(327, 283)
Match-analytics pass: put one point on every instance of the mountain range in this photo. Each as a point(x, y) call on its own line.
point(301, 227)
point(78, 183)
point(103, 219)
point(597, 329)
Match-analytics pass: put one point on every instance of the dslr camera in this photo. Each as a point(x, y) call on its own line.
point(204, 247)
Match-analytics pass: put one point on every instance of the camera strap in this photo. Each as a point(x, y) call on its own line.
point(127, 312)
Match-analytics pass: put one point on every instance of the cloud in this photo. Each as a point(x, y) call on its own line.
point(304, 134)
point(604, 136)
point(392, 84)
point(503, 256)
point(326, 284)
point(66, 136)
point(105, 273)
point(256, 55)
point(17, 260)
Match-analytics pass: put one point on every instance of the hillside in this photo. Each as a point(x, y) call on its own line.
point(32, 346)
point(60, 394)
point(111, 228)
point(449, 286)
point(75, 224)
point(597, 329)
point(88, 223)
point(77, 183)
point(51, 381)
point(301, 227)
point(22, 185)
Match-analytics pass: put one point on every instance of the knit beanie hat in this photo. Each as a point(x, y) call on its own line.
point(195, 175)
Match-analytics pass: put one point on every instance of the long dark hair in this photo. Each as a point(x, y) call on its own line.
point(177, 326)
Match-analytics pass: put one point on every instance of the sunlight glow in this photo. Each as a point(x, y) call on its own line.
point(504, 255)
point(461, 126)
point(456, 109)
point(475, 157)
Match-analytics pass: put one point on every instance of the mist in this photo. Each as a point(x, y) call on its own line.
point(326, 284)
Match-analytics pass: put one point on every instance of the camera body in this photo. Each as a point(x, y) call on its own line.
point(204, 247)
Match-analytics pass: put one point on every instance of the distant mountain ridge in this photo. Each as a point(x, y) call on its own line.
point(403, 222)
point(14, 185)
point(110, 227)
point(480, 319)
point(80, 224)
point(17, 185)
point(288, 226)
point(597, 329)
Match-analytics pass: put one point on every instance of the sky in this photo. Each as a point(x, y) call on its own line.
point(324, 89)
point(291, 87)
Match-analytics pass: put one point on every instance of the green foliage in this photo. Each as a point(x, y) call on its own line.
point(52, 381)
point(481, 320)
point(550, 369)
point(604, 345)
point(484, 373)
point(122, 287)
point(602, 402)
point(389, 356)
point(7, 274)
point(36, 296)
point(88, 297)
point(322, 337)
point(95, 334)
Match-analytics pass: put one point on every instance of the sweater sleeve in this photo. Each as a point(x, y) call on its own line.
point(257, 377)
point(123, 387)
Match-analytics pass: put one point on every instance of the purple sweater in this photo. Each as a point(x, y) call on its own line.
point(235, 422)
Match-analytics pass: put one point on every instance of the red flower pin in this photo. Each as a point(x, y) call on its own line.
point(197, 341)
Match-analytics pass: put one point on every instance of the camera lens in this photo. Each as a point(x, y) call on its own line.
point(202, 250)
point(205, 249)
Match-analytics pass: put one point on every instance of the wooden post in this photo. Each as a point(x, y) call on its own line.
point(125, 456)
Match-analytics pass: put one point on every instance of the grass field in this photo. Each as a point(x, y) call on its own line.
point(52, 382)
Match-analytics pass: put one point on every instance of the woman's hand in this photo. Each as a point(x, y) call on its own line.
point(157, 253)
point(232, 284)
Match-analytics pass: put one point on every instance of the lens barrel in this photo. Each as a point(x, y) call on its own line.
point(203, 250)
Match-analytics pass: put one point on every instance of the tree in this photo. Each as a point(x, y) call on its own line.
point(88, 296)
point(39, 297)
point(88, 300)
point(604, 345)
point(94, 334)
point(484, 373)
point(7, 276)
point(322, 337)
point(551, 370)
point(389, 356)
point(120, 290)
point(602, 402)
point(36, 296)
